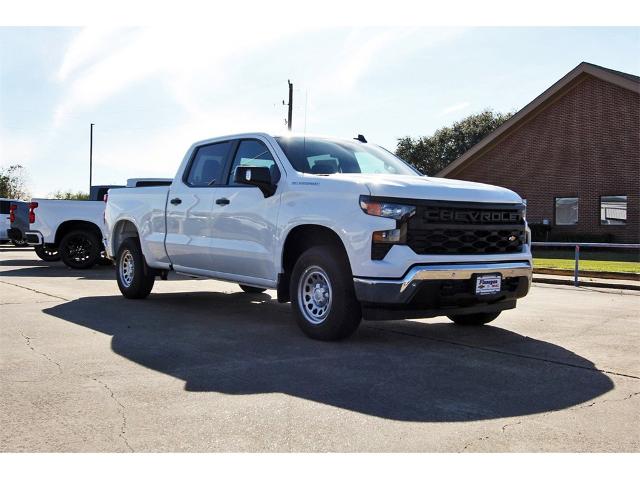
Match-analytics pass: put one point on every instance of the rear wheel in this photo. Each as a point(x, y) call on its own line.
point(322, 294)
point(47, 253)
point(79, 249)
point(252, 289)
point(135, 278)
point(477, 319)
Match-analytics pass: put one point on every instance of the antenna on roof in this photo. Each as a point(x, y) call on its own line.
point(361, 138)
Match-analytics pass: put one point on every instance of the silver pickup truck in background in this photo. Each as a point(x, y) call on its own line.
point(7, 212)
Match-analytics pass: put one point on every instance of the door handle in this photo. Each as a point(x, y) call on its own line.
point(176, 201)
point(222, 201)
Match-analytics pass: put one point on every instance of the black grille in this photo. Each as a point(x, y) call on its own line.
point(450, 228)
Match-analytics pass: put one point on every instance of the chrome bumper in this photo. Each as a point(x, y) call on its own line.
point(33, 238)
point(401, 291)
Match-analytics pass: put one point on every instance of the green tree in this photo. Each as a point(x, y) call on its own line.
point(13, 182)
point(69, 195)
point(430, 154)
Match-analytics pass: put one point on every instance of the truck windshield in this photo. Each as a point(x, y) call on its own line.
point(320, 156)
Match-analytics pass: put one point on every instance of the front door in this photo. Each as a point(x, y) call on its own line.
point(244, 221)
point(190, 205)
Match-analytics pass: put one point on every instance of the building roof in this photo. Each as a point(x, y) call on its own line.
point(629, 76)
point(558, 89)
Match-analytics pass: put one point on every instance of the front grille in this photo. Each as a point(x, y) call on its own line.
point(466, 228)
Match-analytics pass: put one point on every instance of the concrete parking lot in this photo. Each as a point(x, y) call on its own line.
point(200, 366)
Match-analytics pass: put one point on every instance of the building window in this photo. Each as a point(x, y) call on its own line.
point(567, 211)
point(613, 210)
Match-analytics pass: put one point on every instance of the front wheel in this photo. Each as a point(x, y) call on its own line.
point(135, 279)
point(47, 253)
point(477, 319)
point(322, 294)
point(79, 249)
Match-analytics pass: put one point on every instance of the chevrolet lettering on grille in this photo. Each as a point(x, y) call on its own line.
point(472, 217)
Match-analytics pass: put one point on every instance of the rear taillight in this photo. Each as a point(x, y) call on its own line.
point(32, 213)
point(12, 213)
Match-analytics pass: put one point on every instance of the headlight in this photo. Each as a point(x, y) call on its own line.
point(386, 210)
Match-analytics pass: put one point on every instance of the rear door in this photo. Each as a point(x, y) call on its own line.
point(189, 208)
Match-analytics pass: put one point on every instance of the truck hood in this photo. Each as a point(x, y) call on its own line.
point(426, 187)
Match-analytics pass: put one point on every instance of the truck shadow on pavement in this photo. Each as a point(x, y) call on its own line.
point(40, 269)
point(407, 371)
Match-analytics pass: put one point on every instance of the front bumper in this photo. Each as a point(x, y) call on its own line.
point(442, 289)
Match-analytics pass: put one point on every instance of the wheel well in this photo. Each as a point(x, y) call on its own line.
point(122, 230)
point(300, 239)
point(68, 226)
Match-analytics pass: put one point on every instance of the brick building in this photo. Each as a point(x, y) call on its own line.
point(574, 154)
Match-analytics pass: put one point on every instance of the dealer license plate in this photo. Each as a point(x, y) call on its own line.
point(489, 284)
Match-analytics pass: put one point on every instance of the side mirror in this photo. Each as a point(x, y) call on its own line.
point(259, 176)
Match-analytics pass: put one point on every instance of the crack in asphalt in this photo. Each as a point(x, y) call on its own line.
point(507, 353)
point(34, 290)
point(540, 416)
point(47, 357)
point(123, 426)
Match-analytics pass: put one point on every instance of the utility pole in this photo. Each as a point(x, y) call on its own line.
point(90, 156)
point(290, 105)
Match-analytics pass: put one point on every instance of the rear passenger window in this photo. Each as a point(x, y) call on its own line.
point(253, 153)
point(208, 165)
point(4, 207)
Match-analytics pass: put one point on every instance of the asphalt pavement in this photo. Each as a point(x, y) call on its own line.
point(201, 366)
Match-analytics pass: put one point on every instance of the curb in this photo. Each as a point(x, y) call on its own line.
point(593, 284)
point(589, 274)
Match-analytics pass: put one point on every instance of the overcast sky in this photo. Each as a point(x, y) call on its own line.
point(153, 91)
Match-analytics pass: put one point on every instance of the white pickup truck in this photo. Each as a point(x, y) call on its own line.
point(343, 229)
point(70, 230)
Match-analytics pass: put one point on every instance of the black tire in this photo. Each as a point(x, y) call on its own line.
point(252, 289)
point(136, 281)
point(327, 321)
point(477, 319)
point(47, 253)
point(79, 249)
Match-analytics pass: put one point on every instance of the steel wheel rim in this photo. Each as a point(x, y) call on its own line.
point(126, 269)
point(315, 295)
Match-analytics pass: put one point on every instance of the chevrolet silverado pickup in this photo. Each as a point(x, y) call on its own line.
point(342, 229)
